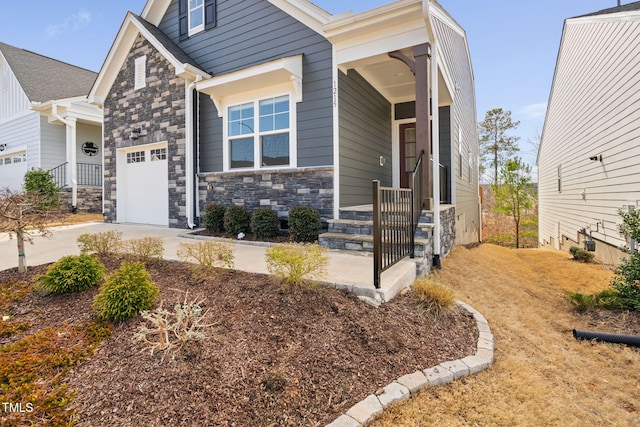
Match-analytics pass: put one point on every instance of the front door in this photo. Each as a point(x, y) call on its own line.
point(408, 155)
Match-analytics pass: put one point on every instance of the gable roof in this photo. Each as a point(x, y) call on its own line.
point(622, 8)
point(133, 25)
point(45, 79)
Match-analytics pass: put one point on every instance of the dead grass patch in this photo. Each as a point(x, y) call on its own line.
point(541, 375)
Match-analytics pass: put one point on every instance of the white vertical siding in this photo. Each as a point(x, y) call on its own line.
point(594, 109)
point(13, 100)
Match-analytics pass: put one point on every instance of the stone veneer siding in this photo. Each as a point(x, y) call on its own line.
point(447, 229)
point(277, 189)
point(89, 199)
point(159, 110)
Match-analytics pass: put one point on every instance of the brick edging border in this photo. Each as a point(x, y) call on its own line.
point(409, 384)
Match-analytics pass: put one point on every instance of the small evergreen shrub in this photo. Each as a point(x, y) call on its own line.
point(41, 181)
point(206, 254)
point(434, 297)
point(580, 254)
point(237, 220)
point(608, 299)
point(304, 223)
point(146, 249)
point(214, 218)
point(103, 244)
point(72, 273)
point(125, 293)
point(296, 263)
point(264, 223)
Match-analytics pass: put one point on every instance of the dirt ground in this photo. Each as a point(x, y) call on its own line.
point(271, 358)
point(542, 376)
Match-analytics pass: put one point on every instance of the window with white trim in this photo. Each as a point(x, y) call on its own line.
point(140, 79)
point(196, 16)
point(158, 154)
point(135, 157)
point(259, 133)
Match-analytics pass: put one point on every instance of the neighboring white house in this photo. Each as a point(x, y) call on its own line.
point(589, 157)
point(46, 122)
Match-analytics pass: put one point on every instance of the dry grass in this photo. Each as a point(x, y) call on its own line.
point(435, 298)
point(541, 375)
point(78, 218)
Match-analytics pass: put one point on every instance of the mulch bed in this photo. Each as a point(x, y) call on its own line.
point(272, 358)
point(280, 238)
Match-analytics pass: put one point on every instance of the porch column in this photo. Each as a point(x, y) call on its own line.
point(72, 164)
point(422, 53)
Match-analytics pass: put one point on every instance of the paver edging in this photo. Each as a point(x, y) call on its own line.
point(405, 386)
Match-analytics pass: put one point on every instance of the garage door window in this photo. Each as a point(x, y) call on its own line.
point(135, 157)
point(158, 154)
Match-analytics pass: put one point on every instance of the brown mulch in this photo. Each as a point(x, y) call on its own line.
point(280, 238)
point(272, 358)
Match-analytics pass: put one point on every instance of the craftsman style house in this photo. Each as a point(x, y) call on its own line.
point(589, 156)
point(277, 103)
point(46, 122)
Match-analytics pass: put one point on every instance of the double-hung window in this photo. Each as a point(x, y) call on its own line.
point(196, 16)
point(259, 133)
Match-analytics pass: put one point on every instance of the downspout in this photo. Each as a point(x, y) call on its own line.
point(435, 132)
point(70, 136)
point(190, 176)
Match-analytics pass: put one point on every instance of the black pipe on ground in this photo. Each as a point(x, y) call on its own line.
point(632, 340)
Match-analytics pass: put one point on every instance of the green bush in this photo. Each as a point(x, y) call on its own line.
point(264, 223)
point(214, 218)
point(296, 263)
point(304, 223)
point(72, 273)
point(146, 249)
point(580, 254)
point(105, 243)
point(125, 293)
point(608, 299)
point(237, 220)
point(206, 254)
point(41, 181)
point(627, 279)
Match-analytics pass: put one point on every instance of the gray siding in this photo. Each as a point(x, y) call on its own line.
point(463, 114)
point(365, 135)
point(22, 132)
point(252, 32)
point(53, 144)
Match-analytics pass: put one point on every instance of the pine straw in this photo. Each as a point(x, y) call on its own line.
point(541, 376)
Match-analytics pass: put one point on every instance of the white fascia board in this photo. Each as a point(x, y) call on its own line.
point(282, 71)
point(306, 12)
point(154, 10)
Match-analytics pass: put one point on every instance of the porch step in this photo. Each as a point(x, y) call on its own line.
point(357, 213)
point(360, 242)
point(350, 226)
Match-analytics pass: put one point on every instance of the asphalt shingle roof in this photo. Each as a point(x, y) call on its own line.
point(45, 79)
point(622, 8)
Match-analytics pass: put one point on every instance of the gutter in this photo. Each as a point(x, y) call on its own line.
point(190, 177)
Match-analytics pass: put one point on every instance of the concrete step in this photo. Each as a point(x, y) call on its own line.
point(359, 242)
point(350, 226)
point(357, 213)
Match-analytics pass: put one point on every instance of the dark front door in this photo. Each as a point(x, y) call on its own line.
point(408, 155)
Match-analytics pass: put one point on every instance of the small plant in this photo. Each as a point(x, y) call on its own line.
point(237, 220)
point(73, 273)
point(103, 244)
point(607, 299)
point(41, 181)
point(627, 279)
point(273, 382)
point(214, 218)
point(264, 223)
point(146, 249)
point(580, 254)
point(434, 297)
point(296, 263)
point(207, 254)
point(171, 330)
point(125, 293)
point(304, 223)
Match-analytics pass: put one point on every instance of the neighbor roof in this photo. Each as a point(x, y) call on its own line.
point(622, 8)
point(45, 79)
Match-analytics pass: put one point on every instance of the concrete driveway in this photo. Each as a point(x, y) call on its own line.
point(353, 271)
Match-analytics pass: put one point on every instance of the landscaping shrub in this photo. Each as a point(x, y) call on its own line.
point(296, 263)
point(627, 279)
point(146, 249)
point(264, 223)
point(73, 273)
point(41, 181)
point(237, 220)
point(434, 297)
point(607, 299)
point(206, 254)
point(580, 254)
point(214, 218)
point(125, 293)
point(304, 223)
point(105, 243)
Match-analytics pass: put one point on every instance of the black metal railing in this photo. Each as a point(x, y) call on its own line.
point(396, 212)
point(88, 175)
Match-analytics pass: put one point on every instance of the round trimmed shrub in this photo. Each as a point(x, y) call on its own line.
point(73, 273)
point(264, 223)
point(304, 223)
point(126, 292)
point(214, 217)
point(237, 219)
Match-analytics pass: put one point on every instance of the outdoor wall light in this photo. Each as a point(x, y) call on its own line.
point(598, 158)
point(2, 147)
point(135, 133)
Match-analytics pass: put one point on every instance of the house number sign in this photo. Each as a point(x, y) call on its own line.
point(89, 149)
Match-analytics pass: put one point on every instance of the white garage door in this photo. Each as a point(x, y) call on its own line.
point(143, 186)
point(12, 169)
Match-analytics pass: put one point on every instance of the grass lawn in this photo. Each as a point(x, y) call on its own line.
point(541, 375)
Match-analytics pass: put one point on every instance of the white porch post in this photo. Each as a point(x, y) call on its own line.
point(72, 167)
point(436, 153)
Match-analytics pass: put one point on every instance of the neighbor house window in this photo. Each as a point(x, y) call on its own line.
point(460, 173)
point(195, 16)
point(259, 133)
point(140, 72)
point(559, 178)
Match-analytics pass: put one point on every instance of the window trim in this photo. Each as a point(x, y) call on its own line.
point(194, 30)
point(257, 134)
